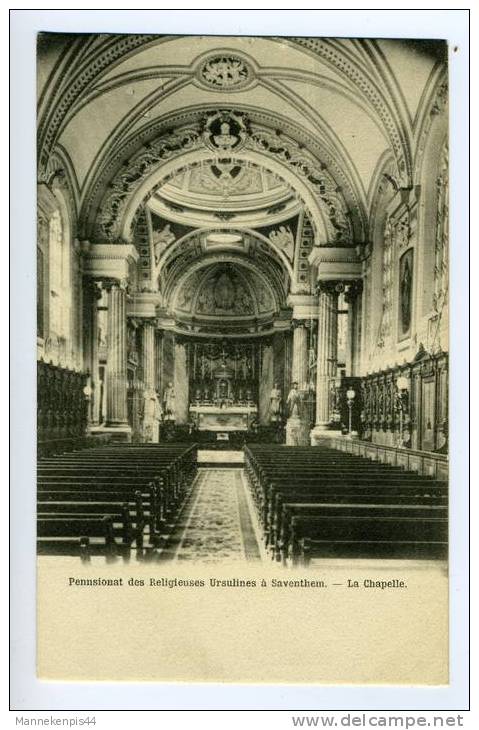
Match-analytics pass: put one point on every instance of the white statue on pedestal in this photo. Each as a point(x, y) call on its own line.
point(297, 431)
point(275, 403)
point(151, 417)
point(169, 402)
point(294, 401)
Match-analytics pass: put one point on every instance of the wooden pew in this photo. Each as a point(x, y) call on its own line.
point(399, 548)
point(368, 521)
point(130, 515)
point(170, 488)
point(74, 537)
point(303, 494)
point(136, 486)
point(372, 537)
point(392, 488)
point(341, 494)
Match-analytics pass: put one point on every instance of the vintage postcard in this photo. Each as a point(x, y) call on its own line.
point(243, 357)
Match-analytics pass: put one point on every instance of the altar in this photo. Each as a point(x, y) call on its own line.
point(224, 418)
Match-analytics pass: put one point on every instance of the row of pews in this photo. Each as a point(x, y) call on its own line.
point(322, 503)
point(107, 500)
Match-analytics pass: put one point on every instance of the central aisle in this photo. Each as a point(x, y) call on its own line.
point(217, 523)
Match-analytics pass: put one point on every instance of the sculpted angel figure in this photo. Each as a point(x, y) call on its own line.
point(162, 239)
point(283, 238)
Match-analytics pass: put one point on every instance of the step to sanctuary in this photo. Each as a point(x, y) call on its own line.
point(223, 457)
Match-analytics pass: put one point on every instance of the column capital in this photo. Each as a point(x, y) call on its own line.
point(181, 339)
point(133, 322)
point(47, 203)
point(113, 284)
point(148, 321)
point(93, 287)
point(295, 323)
point(353, 290)
point(330, 286)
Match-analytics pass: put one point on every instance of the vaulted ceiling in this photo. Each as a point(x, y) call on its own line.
point(345, 102)
point(250, 150)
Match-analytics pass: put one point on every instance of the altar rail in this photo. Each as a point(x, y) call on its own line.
point(170, 432)
point(423, 462)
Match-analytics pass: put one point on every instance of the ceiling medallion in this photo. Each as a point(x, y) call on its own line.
point(225, 72)
point(225, 132)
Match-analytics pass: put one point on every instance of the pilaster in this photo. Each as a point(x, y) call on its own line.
point(116, 376)
point(326, 362)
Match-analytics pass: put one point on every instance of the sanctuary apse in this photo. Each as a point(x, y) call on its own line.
point(243, 240)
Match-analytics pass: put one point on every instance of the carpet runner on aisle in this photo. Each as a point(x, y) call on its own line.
point(217, 524)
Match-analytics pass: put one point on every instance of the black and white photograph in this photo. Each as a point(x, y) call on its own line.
point(240, 396)
point(239, 367)
point(242, 300)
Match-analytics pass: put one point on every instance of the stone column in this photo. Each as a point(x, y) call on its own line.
point(181, 382)
point(299, 371)
point(151, 406)
point(90, 344)
point(95, 364)
point(327, 352)
point(266, 382)
point(148, 354)
point(365, 340)
point(92, 294)
point(353, 298)
point(297, 429)
point(116, 378)
point(158, 362)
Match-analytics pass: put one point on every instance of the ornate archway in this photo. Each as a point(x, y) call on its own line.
point(111, 203)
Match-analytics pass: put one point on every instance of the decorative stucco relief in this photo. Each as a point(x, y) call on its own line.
point(225, 72)
point(280, 148)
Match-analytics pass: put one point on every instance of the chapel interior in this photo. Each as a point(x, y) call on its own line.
point(242, 266)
